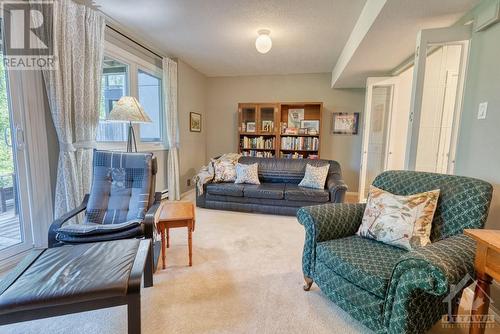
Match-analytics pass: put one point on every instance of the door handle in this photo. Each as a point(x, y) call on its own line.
point(19, 137)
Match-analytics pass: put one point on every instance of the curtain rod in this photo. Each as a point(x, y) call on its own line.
point(134, 41)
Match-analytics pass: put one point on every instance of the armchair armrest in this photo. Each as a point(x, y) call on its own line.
point(64, 219)
point(337, 189)
point(152, 216)
point(428, 273)
point(326, 222)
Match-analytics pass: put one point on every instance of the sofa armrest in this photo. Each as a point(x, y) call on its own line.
point(337, 189)
point(64, 219)
point(326, 222)
point(427, 273)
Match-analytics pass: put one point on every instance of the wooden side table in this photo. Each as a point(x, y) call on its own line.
point(172, 215)
point(487, 266)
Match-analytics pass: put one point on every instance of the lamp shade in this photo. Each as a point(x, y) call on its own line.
point(128, 109)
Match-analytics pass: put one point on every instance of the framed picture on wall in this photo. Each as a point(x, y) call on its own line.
point(194, 122)
point(345, 123)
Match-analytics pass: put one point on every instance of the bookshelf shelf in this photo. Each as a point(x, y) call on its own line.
point(268, 120)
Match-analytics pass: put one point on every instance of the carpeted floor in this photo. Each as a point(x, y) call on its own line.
point(246, 278)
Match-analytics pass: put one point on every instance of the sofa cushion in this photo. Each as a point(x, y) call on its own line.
point(228, 189)
point(265, 190)
point(295, 193)
point(364, 262)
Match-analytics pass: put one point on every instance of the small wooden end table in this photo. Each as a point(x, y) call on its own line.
point(172, 215)
point(487, 266)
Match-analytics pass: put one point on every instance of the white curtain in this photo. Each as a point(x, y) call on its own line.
point(73, 90)
point(172, 125)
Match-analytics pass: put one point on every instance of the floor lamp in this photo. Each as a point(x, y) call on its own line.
point(128, 110)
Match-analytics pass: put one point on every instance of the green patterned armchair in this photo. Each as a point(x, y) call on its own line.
point(388, 289)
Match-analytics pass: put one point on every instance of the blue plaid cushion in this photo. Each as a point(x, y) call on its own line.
point(120, 187)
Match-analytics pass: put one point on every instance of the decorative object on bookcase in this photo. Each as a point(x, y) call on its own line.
point(302, 131)
point(194, 122)
point(250, 127)
point(267, 126)
point(295, 116)
point(345, 123)
point(310, 124)
point(291, 131)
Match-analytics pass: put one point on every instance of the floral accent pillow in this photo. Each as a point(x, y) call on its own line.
point(225, 171)
point(315, 177)
point(401, 221)
point(247, 173)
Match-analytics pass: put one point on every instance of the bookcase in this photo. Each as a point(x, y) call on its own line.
point(286, 130)
point(258, 133)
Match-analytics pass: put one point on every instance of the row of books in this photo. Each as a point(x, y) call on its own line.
point(300, 143)
point(258, 154)
point(298, 156)
point(257, 142)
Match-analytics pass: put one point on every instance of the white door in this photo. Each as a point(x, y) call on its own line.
point(438, 81)
point(381, 97)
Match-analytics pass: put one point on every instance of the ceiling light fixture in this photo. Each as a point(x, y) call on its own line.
point(263, 43)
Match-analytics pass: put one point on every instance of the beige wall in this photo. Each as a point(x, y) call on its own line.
point(224, 94)
point(192, 90)
point(477, 150)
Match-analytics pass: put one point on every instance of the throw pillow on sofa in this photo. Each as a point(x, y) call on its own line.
point(247, 173)
point(315, 177)
point(401, 221)
point(225, 167)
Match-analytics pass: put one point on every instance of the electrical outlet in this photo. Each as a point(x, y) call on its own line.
point(189, 182)
point(483, 108)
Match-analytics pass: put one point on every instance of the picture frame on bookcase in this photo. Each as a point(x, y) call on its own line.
point(251, 127)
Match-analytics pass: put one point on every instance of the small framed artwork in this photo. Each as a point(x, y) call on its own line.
point(310, 124)
point(345, 123)
point(267, 126)
point(250, 126)
point(194, 122)
point(295, 116)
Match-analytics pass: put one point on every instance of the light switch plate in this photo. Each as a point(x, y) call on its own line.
point(483, 108)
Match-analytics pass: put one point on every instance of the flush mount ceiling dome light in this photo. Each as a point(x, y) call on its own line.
point(263, 43)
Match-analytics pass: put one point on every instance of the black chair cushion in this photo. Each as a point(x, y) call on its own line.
point(133, 232)
point(265, 190)
point(295, 193)
point(228, 189)
point(95, 229)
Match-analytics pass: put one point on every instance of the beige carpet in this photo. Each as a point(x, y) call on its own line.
point(246, 278)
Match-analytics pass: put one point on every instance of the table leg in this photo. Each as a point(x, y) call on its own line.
point(190, 244)
point(163, 257)
point(482, 300)
point(168, 237)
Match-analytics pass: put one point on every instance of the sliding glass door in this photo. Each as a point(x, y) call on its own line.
point(15, 224)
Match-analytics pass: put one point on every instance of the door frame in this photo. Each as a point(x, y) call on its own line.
point(371, 82)
point(425, 38)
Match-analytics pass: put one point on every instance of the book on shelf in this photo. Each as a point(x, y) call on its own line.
point(292, 155)
point(300, 143)
point(257, 154)
point(257, 143)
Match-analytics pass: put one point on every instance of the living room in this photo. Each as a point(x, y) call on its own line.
point(250, 166)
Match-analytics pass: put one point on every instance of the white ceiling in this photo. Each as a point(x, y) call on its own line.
point(392, 37)
point(217, 36)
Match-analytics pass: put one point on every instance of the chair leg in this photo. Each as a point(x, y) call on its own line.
point(134, 314)
point(309, 282)
point(455, 303)
point(148, 268)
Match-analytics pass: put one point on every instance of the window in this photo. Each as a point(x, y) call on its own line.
point(125, 74)
point(150, 98)
point(114, 84)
